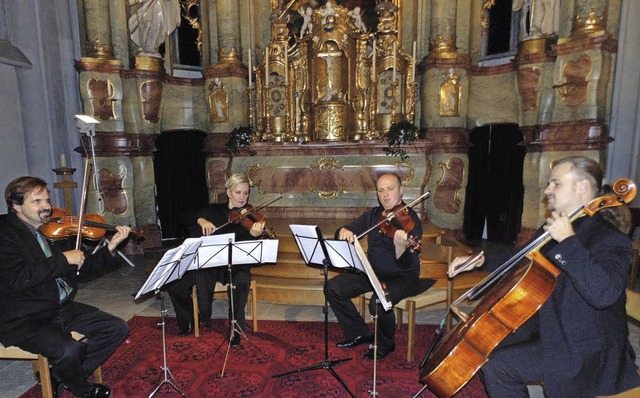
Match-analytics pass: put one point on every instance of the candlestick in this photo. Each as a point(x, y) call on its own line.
point(266, 67)
point(394, 61)
point(250, 69)
point(373, 62)
point(413, 70)
point(286, 63)
point(63, 160)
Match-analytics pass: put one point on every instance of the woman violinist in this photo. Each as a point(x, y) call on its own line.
point(577, 343)
point(214, 219)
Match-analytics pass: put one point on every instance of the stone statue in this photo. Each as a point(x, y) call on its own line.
point(152, 22)
point(307, 25)
point(545, 17)
point(328, 11)
point(356, 14)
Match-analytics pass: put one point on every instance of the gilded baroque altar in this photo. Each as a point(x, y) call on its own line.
point(333, 81)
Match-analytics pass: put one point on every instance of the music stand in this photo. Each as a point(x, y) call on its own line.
point(314, 251)
point(221, 250)
point(171, 267)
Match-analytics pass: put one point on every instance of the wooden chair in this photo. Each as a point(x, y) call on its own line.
point(41, 365)
point(633, 311)
point(252, 305)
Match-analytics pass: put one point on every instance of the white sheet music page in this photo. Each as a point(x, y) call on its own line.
point(214, 251)
point(306, 237)
point(377, 286)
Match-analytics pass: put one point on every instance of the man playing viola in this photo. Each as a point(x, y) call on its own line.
point(577, 343)
point(208, 221)
point(37, 284)
point(396, 266)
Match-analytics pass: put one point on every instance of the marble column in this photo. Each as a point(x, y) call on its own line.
point(97, 26)
point(228, 18)
point(589, 16)
point(442, 38)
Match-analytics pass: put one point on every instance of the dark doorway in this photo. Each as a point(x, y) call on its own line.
point(495, 190)
point(179, 166)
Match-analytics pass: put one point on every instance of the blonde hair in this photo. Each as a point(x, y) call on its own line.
point(235, 179)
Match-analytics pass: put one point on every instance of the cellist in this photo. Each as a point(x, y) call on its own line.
point(577, 343)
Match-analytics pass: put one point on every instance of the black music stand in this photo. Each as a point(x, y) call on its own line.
point(314, 251)
point(221, 250)
point(171, 267)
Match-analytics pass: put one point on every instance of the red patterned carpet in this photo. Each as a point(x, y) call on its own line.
point(134, 370)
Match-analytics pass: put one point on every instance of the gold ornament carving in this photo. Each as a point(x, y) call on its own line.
point(573, 88)
point(449, 95)
point(218, 103)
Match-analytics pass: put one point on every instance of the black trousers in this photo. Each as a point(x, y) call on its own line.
point(73, 361)
point(341, 289)
point(205, 281)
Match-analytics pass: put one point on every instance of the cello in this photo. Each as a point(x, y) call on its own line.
point(511, 295)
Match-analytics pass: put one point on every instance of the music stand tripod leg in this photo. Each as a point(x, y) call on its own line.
point(168, 377)
point(326, 364)
point(234, 327)
point(374, 316)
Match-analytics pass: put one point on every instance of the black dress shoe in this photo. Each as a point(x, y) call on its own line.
point(57, 387)
point(185, 332)
point(381, 354)
point(235, 339)
point(97, 390)
point(355, 341)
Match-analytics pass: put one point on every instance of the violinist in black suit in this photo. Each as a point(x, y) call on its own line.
point(395, 264)
point(208, 221)
point(577, 344)
point(37, 284)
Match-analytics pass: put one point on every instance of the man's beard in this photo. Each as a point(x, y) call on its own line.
point(45, 216)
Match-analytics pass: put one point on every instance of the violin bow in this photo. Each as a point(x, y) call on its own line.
point(390, 216)
point(255, 209)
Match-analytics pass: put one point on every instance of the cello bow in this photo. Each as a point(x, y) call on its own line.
point(512, 294)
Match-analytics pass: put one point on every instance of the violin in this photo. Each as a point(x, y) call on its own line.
point(63, 225)
point(247, 216)
point(399, 218)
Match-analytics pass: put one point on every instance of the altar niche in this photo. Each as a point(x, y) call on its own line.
point(333, 80)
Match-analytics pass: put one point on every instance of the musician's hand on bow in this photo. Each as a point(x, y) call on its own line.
point(400, 241)
point(257, 228)
point(121, 234)
point(559, 226)
point(75, 257)
point(207, 226)
point(465, 263)
point(347, 235)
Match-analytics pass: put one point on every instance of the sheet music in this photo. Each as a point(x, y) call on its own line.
point(377, 286)
point(307, 239)
point(343, 254)
point(254, 252)
point(214, 251)
point(172, 266)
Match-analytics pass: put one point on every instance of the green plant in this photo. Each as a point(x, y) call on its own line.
point(400, 134)
point(239, 141)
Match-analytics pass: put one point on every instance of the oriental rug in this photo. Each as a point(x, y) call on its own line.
point(196, 363)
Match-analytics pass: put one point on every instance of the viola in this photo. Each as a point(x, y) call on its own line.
point(247, 216)
point(396, 219)
point(63, 225)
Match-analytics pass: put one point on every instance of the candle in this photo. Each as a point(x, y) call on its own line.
point(63, 160)
point(415, 60)
point(286, 63)
point(266, 67)
point(373, 62)
point(394, 61)
point(250, 69)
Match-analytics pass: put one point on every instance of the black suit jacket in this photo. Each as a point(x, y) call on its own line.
point(29, 294)
point(582, 328)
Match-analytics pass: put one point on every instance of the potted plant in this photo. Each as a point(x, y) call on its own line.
point(239, 141)
point(399, 135)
